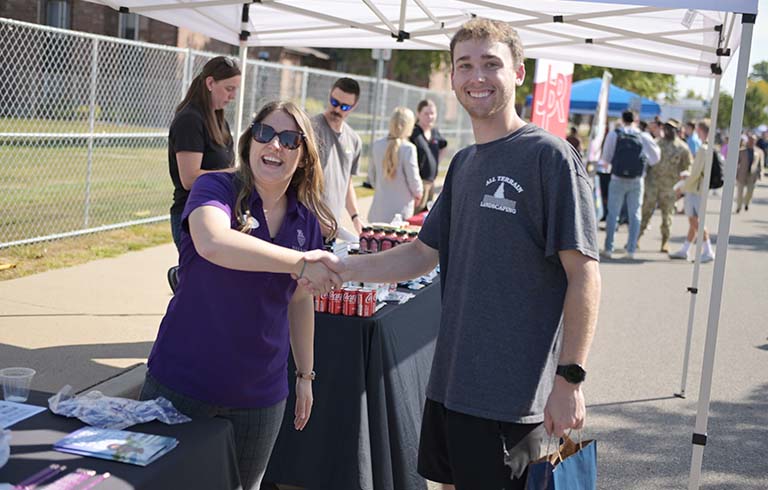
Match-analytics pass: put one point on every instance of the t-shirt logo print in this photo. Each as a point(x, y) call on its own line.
point(498, 200)
point(300, 238)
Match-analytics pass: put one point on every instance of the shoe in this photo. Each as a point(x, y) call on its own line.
point(173, 277)
point(746, 207)
point(679, 255)
point(707, 257)
point(631, 256)
point(664, 246)
point(606, 254)
point(738, 210)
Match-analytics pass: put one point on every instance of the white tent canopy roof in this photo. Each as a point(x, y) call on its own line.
point(647, 35)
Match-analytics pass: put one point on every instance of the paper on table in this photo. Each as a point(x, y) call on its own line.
point(12, 412)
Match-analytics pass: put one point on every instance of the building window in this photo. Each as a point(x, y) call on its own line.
point(128, 26)
point(57, 13)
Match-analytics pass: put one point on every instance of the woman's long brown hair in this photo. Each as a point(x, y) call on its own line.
point(307, 181)
point(220, 68)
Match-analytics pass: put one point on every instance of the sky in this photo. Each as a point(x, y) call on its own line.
point(759, 53)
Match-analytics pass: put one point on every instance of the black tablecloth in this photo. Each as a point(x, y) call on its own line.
point(369, 396)
point(204, 459)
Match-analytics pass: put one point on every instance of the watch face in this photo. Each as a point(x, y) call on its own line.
point(573, 373)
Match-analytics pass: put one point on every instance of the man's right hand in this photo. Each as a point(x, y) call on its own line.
point(321, 272)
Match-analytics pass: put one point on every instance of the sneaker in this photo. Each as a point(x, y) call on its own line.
point(173, 277)
point(631, 255)
point(707, 257)
point(680, 255)
point(606, 254)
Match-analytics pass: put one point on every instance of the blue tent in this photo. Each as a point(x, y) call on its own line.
point(584, 94)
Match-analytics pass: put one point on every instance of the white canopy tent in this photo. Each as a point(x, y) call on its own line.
point(683, 37)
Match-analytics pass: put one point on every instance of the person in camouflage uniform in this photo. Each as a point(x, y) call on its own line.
point(662, 177)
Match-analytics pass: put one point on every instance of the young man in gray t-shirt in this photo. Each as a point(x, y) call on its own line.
point(339, 148)
point(514, 232)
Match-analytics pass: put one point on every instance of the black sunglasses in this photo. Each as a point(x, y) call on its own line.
point(264, 133)
point(343, 107)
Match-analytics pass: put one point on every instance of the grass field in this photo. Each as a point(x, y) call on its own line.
point(79, 125)
point(43, 189)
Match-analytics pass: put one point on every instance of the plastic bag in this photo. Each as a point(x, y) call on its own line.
point(109, 412)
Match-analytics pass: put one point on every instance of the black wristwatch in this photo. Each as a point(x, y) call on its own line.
point(573, 373)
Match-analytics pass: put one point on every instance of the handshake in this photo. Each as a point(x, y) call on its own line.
point(321, 272)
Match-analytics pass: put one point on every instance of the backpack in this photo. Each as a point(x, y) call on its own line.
point(628, 158)
point(716, 175)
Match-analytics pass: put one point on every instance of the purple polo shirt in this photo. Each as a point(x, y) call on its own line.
point(224, 338)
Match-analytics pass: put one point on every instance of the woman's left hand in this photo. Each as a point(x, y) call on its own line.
point(303, 403)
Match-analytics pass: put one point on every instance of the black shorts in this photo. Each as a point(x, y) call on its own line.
point(468, 451)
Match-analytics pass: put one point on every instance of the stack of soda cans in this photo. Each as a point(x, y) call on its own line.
point(347, 301)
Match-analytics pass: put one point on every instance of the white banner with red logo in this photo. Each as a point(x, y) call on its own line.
point(552, 95)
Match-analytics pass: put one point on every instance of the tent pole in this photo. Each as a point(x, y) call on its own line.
point(243, 55)
point(723, 232)
point(703, 194)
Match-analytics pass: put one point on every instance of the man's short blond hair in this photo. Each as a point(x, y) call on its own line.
point(491, 30)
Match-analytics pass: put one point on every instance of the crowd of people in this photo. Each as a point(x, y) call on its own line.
point(652, 165)
point(250, 226)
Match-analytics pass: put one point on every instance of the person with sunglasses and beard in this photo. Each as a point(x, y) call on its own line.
point(247, 237)
point(340, 147)
point(199, 140)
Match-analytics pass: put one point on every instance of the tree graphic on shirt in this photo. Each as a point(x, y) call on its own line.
point(499, 192)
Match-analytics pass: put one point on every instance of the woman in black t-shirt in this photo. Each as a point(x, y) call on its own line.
point(429, 148)
point(199, 140)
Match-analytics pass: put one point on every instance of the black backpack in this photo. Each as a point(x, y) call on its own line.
point(716, 175)
point(628, 158)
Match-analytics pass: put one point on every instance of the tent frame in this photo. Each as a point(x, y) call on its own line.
point(386, 27)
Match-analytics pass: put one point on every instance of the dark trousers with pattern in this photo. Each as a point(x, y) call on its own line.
point(255, 429)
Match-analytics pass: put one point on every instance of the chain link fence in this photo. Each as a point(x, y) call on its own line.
point(84, 125)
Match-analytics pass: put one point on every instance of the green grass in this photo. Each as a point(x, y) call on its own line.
point(79, 125)
point(41, 257)
point(43, 189)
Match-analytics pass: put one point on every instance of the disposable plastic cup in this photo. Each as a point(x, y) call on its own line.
point(16, 382)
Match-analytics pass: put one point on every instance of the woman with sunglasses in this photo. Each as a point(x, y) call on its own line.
point(199, 140)
point(222, 348)
point(394, 170)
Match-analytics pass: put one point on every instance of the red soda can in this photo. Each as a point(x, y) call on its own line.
point(321, 303)
point(366, 302)
point(349, 302)
point(335, 301)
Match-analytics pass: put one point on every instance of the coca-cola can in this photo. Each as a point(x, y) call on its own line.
point(335, 302)
point(349, 302)
point(321, 303)
point(366, 302)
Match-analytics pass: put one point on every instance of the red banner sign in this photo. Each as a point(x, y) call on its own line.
point(552, 96)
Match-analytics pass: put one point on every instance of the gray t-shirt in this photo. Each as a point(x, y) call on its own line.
point(339, 157)
point(506, 210)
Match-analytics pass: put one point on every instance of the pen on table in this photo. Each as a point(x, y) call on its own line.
point(41, 476)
